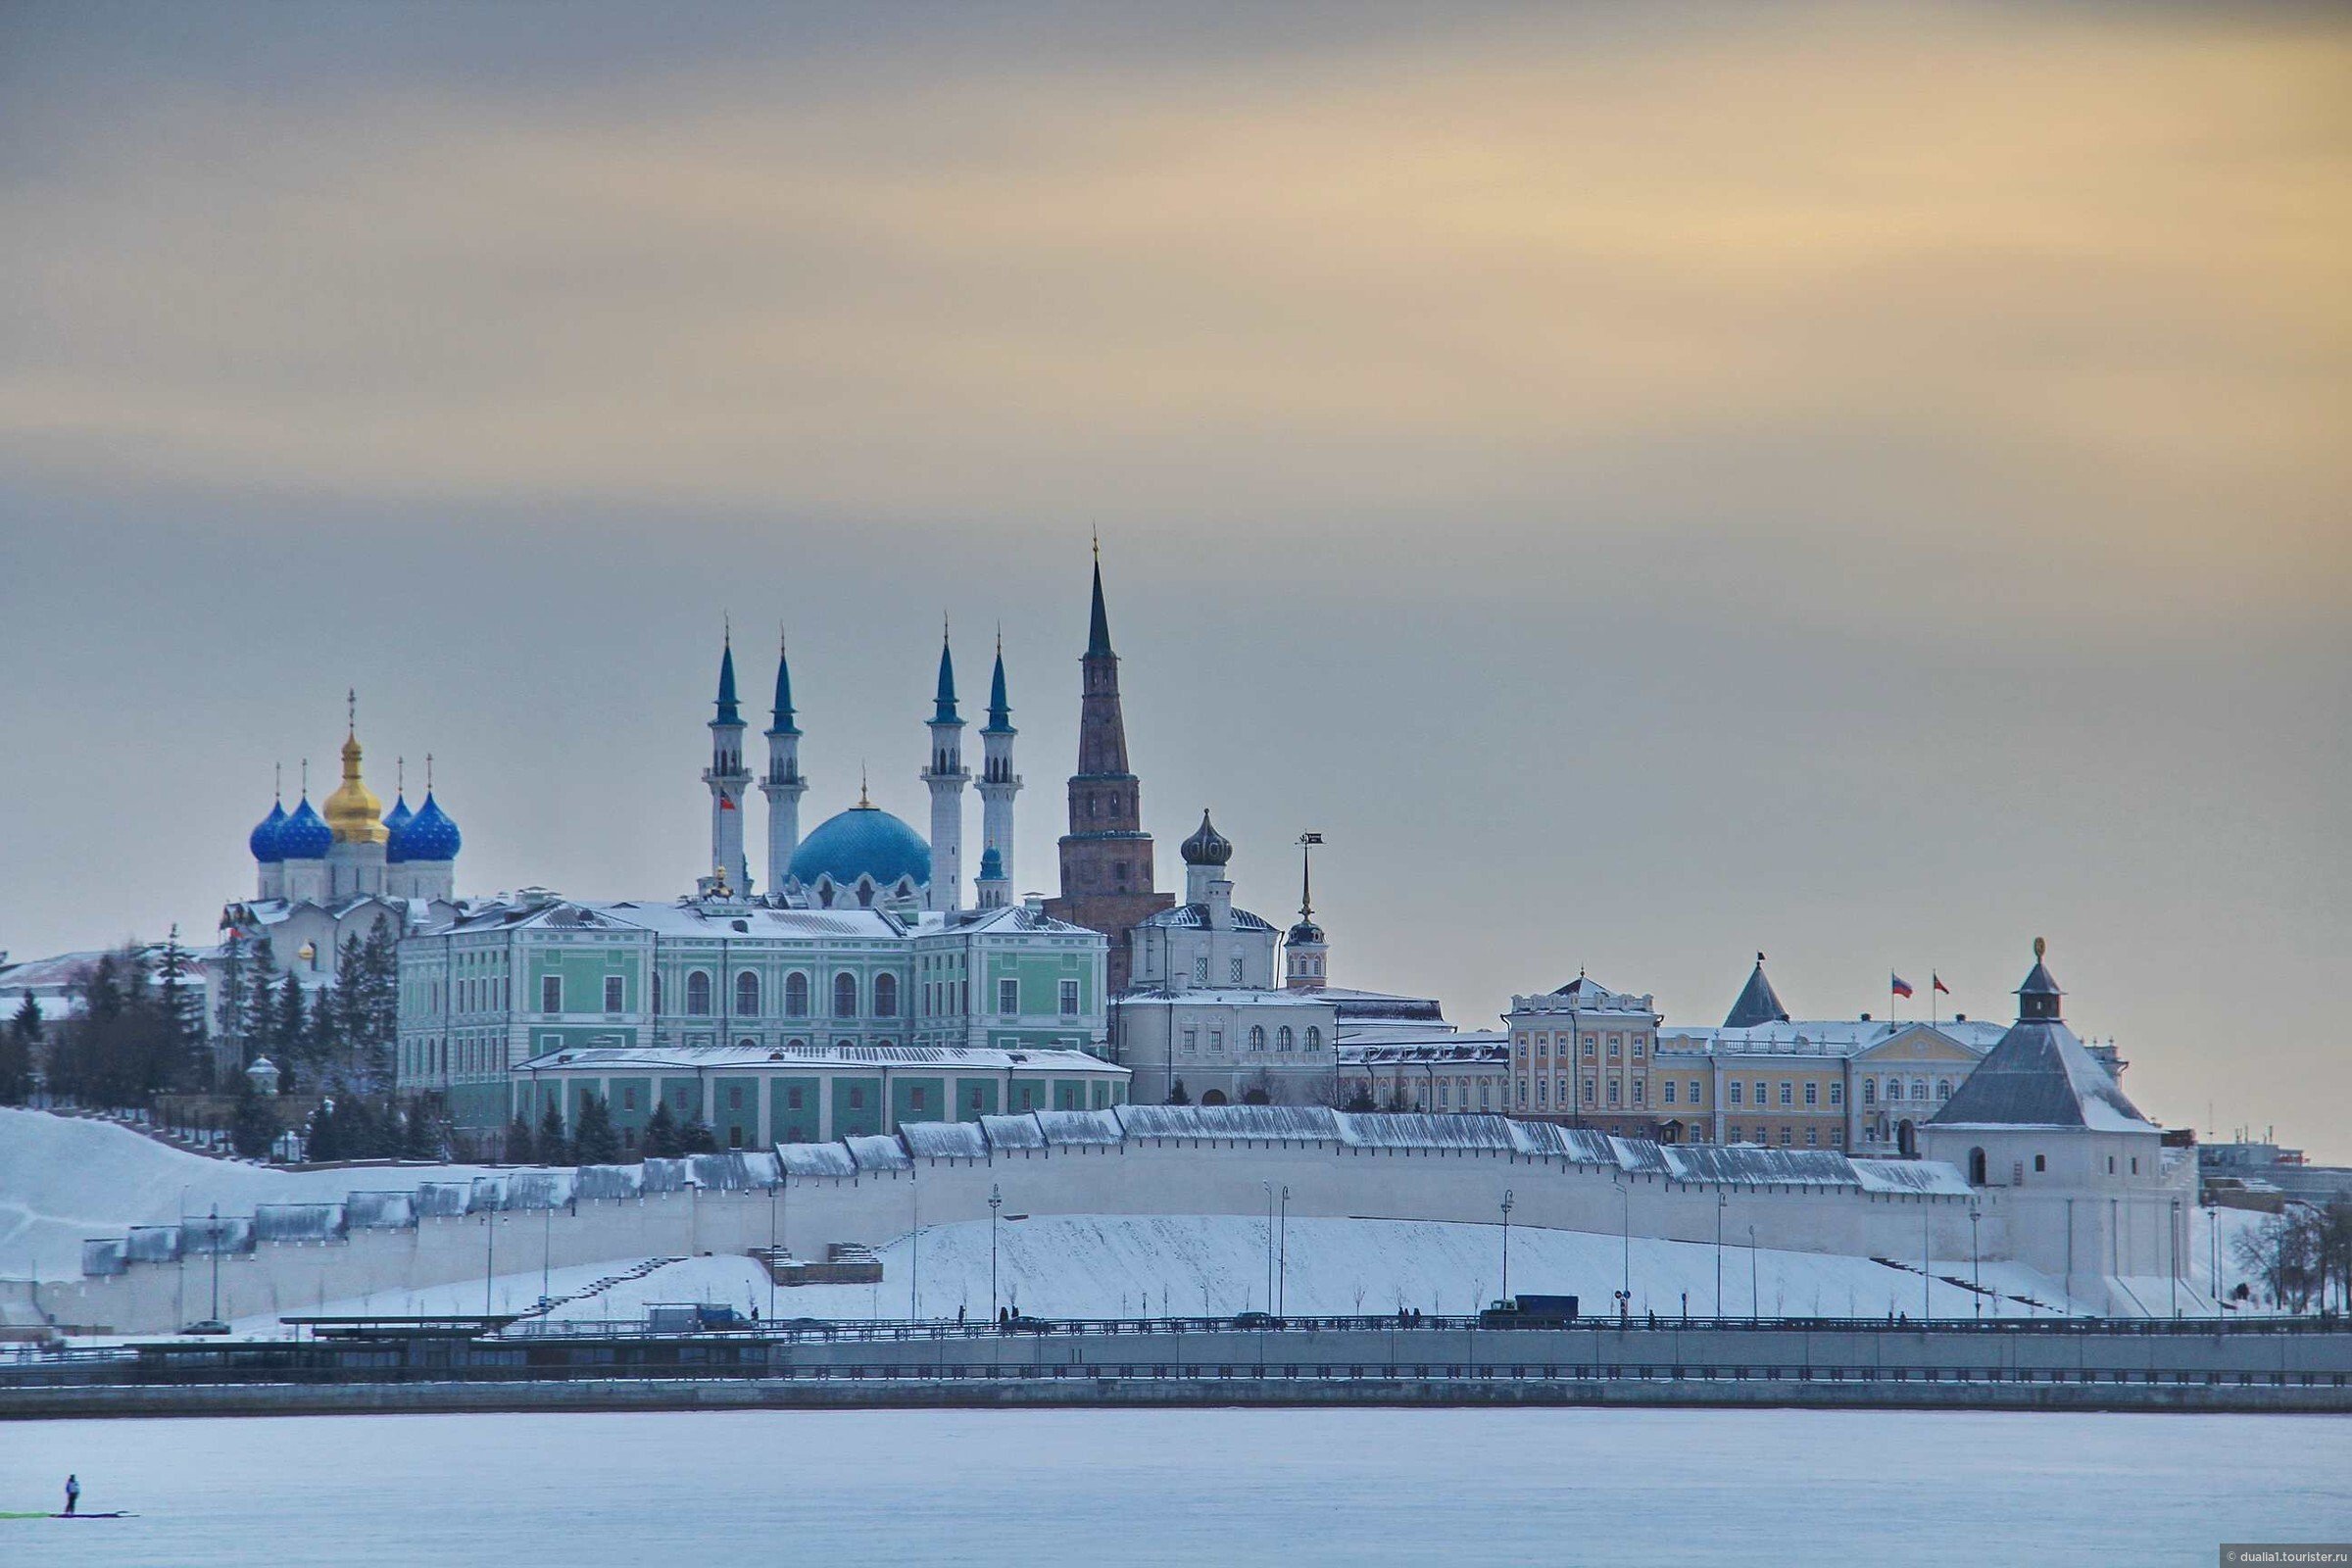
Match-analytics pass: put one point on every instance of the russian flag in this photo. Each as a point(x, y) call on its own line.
point(1898, 984)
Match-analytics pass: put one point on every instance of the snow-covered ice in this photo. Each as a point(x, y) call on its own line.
point(1033, 1489)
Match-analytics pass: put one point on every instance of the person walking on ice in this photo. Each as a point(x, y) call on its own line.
point(72, 1494)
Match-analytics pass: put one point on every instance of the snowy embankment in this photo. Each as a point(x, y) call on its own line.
point(1097, 1266)
point(64, 1178)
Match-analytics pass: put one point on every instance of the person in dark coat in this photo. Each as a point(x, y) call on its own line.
point(72, 1494)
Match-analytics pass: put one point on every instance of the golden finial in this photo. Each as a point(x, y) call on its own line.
point(2040, 946)
point(351, 711)
point(353, 810)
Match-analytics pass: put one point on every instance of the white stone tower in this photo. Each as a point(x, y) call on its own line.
point(728, 780)
point(947, 775)
point(784, 786)
point(1305, 952)
point(998, 783)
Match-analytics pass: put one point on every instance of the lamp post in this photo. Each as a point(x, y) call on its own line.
point(2213, 1266)
point(547, 1248)
point(1269, 1187)
point(1927, 1266)
point(1975, 1257)
point(1624, 1234)
point(914, 1253)
point(1506, 1245)
point(772, 1239)
point(2173, 1236)
point(1751, 1274)
point(995, 1201)
point(1282, 1274)
point(213, 1229)
point(489, 1256)
point(1722, 1202)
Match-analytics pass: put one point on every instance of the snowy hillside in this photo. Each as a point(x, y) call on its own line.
point(63, 1179)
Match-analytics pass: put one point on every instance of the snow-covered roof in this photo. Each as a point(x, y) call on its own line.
point(1369, 1006)
point(1014, 1132)
point(1426, 1130)
point(878, 1151)
point(1753, 1163)
point(1930, 1176)
point(1226, 996)
point(1269, 1124)
point(944, 1140)
point(2040, 1076)
point(1194, 917)
point(1099, 1129)
point(711, 1058)
point(1410, 1048)
point(1820, 1036)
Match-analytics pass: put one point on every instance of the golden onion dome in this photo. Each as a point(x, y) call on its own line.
point(353, 810)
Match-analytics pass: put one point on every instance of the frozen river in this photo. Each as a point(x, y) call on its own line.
point(1195, 1487)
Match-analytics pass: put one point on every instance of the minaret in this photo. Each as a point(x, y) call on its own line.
point(784, 786)
point(998, 783)
point(1107, 872)
point(1305, 952)
point(947, 775)
point(728, 780)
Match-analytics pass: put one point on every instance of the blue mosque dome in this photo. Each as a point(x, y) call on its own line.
point(395, 819)
point(992, 865)
point(304, 835)
point(263, 840)
point(864, 841)
point(430, 835)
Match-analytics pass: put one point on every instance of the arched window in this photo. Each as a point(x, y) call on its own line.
point(747, 995)
point(697, 993)
point(1284, 1039)
point(1870, 1091)
point(746, 1043)
point(1976, 1167)
point(844, 995)
point(796, 995)
point(1257, 1036)
point(1314, 1038)
point(886, 995)
point(1943, 1088)
point(1894, 1090)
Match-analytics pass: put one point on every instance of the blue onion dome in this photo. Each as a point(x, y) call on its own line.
point(1307, 931)
point(395, 819)
point(304, 835)
point(992, 865)
point(1206, 846)
point(430, 835)
point(263, 840)
point(864, 841)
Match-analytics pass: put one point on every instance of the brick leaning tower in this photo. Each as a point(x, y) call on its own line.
point(1106, 875)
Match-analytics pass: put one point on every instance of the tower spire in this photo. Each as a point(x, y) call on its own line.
point(727, 777)
point(947, 776)
point(783, 786)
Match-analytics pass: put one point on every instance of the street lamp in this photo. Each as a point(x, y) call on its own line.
point(1625, 1234)
point(1506, 1245)
point(2173, 1237)
point(1269, 1187)
point(1927, 1266)
point(1282, 1287)
point(914, 1253)
point(1975, 1257)
point(1751, 1274)
point(995, 1201)
point(2213, 1266)
point(774, 1240)
point(1722, 1202)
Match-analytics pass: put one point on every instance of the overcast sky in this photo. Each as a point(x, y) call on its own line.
point(1649, 484)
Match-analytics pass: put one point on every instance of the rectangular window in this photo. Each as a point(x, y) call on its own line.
point(791, 1099)
point(914, 1097)
point(1812, 1093)
point(1812, 1137)
point(1695, 1091)
point(628, 1099)
point(1588, 1091)
point(1786, 1086)
point(1192, 1040)
point(1216, 1040)
point(1612, 1091)
point(1008, 997)
point(1837, 1094)
point(612, 992)
point(975, 1102)
point(1738, 1093)
point(734, 1097)
point(1637, 1091)
point(856, 1099)
point(1069, 998)
point(1669, 1092)
point(550, 992)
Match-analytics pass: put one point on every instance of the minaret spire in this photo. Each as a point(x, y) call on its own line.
point(947, 776)
point(783, 786)
point(727, 778)
point(999, 784)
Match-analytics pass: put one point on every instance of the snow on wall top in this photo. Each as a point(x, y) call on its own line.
point(1084, 1129)
point(298, 1222)
point(1930, 1176)
point(1293, 1125)
point(1013, 1131)
point(1426, 1130)
point(944, 1140)
point(1579, 1146)
point(1753, 1164)
point(1639, 1156)
point(878, 1151)
point(830, 1161)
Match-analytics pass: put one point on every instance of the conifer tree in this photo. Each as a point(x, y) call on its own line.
point(596, 1142)
point(661, 1131)
point(1176, 1094)
point(695, 1138)
point(182, 1016)
point(519, 1150)
point(17, 1044)
point(290, 1033)
point(323, 1140)
point(551, 1145)
point(254, 1127)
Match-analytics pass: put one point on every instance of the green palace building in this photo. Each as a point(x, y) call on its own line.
point(770, 1024)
